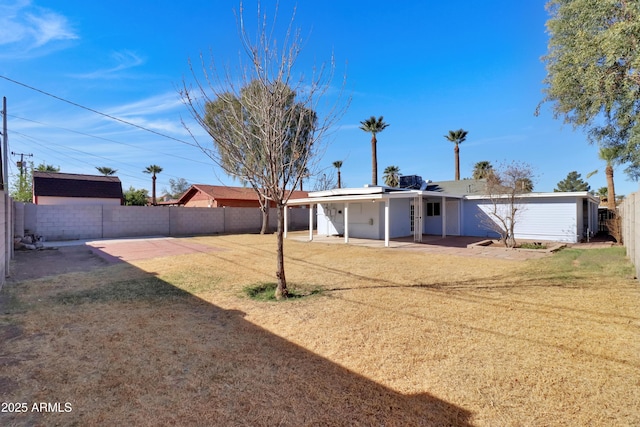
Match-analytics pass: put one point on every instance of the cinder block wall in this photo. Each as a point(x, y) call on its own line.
point(67, 222)
point(18, 223)
point(72, 222)
point(192, 221)
point(131, 221)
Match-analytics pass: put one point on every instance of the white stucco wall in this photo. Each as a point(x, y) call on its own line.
point(366, 219)
point(540, 218)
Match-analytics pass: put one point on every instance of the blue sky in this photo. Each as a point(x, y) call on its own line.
point(427, 67)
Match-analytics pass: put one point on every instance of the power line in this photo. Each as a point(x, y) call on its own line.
point(108, 140)
point(97, 112)
point(55, 154)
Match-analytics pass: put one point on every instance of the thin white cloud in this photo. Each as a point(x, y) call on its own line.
point(169, 101)
point(123, 60)
point(48, 26)
point(26, 30)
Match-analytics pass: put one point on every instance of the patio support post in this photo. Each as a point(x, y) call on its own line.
point(443, 212)
point(311, 205)
point(386, 223)
point(589, 229)
point(346, 222)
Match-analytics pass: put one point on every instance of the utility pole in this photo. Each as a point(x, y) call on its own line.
point(21, 164)
point(5, 143)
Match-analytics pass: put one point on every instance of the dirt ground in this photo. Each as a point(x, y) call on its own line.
point(128, 335)
point(54, 260)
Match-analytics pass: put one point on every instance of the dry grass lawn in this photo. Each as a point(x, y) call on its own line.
point(397, 338)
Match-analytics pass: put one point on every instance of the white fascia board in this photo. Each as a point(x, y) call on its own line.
point(346, 192)
point(555, 194)
point(336, 199)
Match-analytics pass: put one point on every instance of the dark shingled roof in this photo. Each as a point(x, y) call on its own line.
point(56, 184)
point(464, 187)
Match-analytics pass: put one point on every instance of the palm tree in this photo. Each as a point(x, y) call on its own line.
point(43, 167)
point(106, 171)
point(524, 185)
point(457, 137)
point(374, 126)
point(482, 169)
point(391, 176)
point(602, 193)
point(611, 156)
point(338, 164)
point(153, 170)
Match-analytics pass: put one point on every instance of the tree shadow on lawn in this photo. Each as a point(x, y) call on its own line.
point(141, 350)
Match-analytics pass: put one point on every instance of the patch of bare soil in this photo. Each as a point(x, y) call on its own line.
point(28, 265)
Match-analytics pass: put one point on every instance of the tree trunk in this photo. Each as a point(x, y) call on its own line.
point(611, 192)
point(339, 182)
point(281, 289)
point(265, 221)
point(456, 151)
point(374, 160)
point(264, 208)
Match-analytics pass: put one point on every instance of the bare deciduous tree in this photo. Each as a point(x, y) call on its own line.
point(268, 134)
point(505, 190)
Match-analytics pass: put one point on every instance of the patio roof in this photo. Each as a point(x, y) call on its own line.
point(366, 194)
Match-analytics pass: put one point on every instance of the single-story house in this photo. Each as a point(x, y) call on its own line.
point(460, 209)
point(56, 188)
point(218, 196)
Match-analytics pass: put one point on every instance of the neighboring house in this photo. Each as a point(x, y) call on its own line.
point(384, 213)
point(164, 200)
point(218, 196)
point(55, 188)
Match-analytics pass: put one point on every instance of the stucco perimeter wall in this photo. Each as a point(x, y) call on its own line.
point(5, 236)
point(105, 221)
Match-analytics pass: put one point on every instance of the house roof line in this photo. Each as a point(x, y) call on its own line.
point(409, 194)
point(435, 194)
point(533, 195)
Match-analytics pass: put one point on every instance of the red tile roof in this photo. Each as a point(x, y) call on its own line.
point(221, 192)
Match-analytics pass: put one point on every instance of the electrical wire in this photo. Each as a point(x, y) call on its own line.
point(108, 140)
point(75, 104)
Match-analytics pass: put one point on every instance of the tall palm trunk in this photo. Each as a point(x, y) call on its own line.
point(374, 160)
point(456, 151)
point(611, 192)
point(153, 190)
point(339, 181)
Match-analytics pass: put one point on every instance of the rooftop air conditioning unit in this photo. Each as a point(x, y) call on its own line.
point(411, 181)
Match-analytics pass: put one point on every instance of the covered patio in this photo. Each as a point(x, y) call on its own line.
point(381, 213)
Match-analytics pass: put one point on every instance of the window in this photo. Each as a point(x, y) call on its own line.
point(433, 208)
